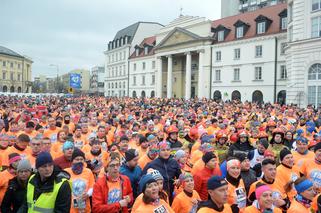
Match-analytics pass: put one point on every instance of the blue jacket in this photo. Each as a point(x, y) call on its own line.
point(170, 171)
point(134, 175)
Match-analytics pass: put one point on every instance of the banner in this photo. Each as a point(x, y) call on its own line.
point(75, 80)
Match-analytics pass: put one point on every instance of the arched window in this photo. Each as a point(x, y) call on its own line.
point(152, 94)
point(217, 96)
point(315, 72)
point(19, 89)
point(236, 95)
point(257, 96)
point(134, 94)
point(282, 97)
point(143, 94)
point(4, 89)
point(12, 89)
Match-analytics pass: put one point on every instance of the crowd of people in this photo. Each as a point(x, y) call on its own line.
point(95, 154)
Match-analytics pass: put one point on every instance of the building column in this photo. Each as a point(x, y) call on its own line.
point(159, 81)
point(200, 93)
point(169, 76)
point(188, 75)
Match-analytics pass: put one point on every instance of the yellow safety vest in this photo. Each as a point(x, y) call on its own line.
point(46, 201)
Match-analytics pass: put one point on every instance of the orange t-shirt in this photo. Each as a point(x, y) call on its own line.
point(299, 158)
point(183, 203)
point(52, 134)
point(252, 209)
point(195, 156)
point(227, 209)
point(24, 154)
point(143, 161)
point(81, 184)
point(312, 170)
point(237, 195)
point(297, 207)
point(161, 207)
point(283, 176)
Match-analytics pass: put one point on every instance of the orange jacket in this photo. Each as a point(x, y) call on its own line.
point(100, 196)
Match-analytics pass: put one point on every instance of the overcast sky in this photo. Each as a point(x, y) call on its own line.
point(74, 33)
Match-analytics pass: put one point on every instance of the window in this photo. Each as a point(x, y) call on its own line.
point(112, 57)
point(11, 65)
point(146, 50)
point(237, 53)
point(153, 64)
point(283, 72)
point(143, 80)
point(137, 52)
point(284, 23)
point(239, 32)
point(315, 72)
point(119, 85)
point(120, 70)
point(290, 12)
point(236, 74)
point(260, 27)
point(217, 75)
point(4, 76)
point(258, 73)
point(112, 72)
point(124, 68)
point(116, 56)
point(316, 27)
point(124, 85)
point(283, 45)
point(258, 51)
point(124, 55)
point(4, 63)
point(316, 5)
point(116, 68)
point(120, 56)
point(134, 67)
point(153, 79)
point(19, 66)
point(134, 80)
point(218, 56)
point(144, 65)
point(19, 77)
point(116, 85)
point(11, 76)
point(220, 35)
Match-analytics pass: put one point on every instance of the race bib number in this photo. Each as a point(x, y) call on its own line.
point(240, 197)
point(114, 196)
point(160, 209)
point(315, 176)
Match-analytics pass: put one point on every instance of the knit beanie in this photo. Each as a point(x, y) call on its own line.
point(130, 154)
point(124, 138)
point(155, 173)
point(24, 165)
point(14, 157)
point(215, 182)
point(43, 158)
point(208, 156)
point(264, 142)
point(317, 146)
point(146, 179)
point(76, 153)
point(179, 154)
point(67, 145)
point(142, 139)
point(241, 156)
point(260, 190)
point(284, 152)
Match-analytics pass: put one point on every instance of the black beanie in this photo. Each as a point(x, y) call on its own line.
point(77, 152)
point(264, 142)
point(240, 156)
point(284, 152)
point(208, 156)
point(317, 146)
point(131, 154)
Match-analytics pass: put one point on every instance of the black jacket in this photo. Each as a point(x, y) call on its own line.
point(14, 196)
point(63, 200)
point(245, 148)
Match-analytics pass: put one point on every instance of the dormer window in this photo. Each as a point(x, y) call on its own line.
point(261, 27)
point(262, 24)
point(146, 50)
point(220, 36)
point(137, 52)
point(240, 29)
point(283, 19)
point(239, 32)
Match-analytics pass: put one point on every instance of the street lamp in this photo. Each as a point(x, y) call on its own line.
point(57, 67)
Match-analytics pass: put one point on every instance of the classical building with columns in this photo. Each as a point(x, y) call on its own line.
point(303, 52)
point(183, 58)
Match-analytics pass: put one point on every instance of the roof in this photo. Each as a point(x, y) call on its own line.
point(271, 13)
point(150, 41)
point(6, 51)
point(131, 30)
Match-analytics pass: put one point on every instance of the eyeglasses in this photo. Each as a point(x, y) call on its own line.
point(36, 144)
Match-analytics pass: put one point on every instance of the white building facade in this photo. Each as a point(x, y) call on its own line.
point(248, 61)
point(142, 69)
point(303, 52)
point(118, 52)
point(97, 80)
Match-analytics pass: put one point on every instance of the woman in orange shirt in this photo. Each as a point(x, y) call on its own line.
point(236, 188)
point(187, 200)
point(303, 200)
point(151, 201)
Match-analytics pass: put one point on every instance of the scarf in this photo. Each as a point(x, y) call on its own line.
point(77, 168)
